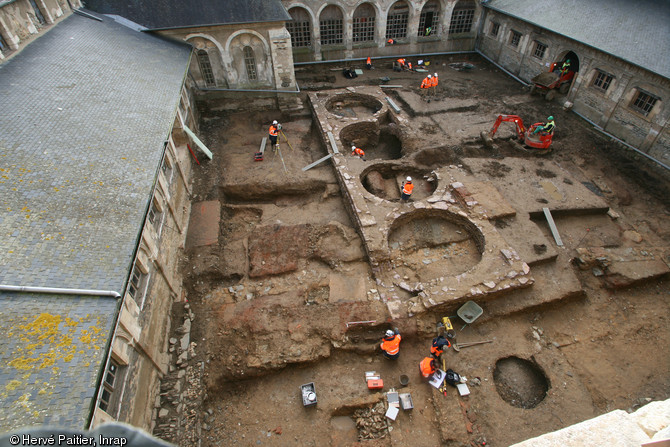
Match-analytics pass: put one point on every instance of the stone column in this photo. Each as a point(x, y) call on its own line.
point(282, 59)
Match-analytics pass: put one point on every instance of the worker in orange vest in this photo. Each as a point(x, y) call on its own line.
point(434, 84)
point(409, 66)
point(358, 152)
point(427, 367)
point(425, 85)
point(368, 63)
point(407, 188)
point(274, 133)
point(439, 345)
point(391, 344)
point(402, 63)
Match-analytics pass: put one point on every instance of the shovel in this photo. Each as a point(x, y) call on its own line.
point(458, 346)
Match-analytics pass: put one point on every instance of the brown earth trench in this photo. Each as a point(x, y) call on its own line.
point(293, 276)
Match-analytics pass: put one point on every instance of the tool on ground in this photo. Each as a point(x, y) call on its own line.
point(526, 136)
point(308, 392)
point(352, 323)
point(446, 328)
point(374, 380)
point(459, 346)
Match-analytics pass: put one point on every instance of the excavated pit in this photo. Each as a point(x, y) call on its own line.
point(385, 181)
point(519, 382)
point(435, 243)
point(353, 105)
point(377, 141)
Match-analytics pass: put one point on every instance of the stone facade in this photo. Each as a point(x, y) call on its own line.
point(606, 90)
point(140, 342)
point(253, 56)
point(19, 21)
point(342, 29)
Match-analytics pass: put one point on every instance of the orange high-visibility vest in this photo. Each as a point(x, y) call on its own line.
point(401, 61)
point(407, 188)
point(369, 61)
point(434, 83)
point(426, 368)
point(392, 347)
point(358, 151)
point(274, 131)
point(426, 83)
point(409, 65)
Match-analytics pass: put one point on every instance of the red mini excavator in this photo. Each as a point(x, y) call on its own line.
point(541, 140)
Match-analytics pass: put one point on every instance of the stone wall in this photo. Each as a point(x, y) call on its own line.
point(19, 20)
point(612, 108)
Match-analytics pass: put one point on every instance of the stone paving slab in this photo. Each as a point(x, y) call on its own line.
point(203, 228)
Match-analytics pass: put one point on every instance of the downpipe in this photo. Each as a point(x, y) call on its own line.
point(59, 291)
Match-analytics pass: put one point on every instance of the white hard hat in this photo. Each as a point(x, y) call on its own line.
point(353, 147)
point(409, 179)
point(429, 76)
point(274, 122)
point(389, 333)
point(435, 74)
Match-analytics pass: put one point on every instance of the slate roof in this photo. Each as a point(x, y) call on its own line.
point(51, 351)
point(165, 14)
point(635, 31)
point(87, 107)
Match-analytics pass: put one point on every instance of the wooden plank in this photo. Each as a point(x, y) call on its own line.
point(262, 150)
point(391, 86)
point(333, 143)
point(393, 105)
point(552, 226)
point(320, 160)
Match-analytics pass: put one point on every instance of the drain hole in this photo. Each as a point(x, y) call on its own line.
point(519, 382)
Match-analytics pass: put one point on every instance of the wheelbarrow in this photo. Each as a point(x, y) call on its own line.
point(469, 312)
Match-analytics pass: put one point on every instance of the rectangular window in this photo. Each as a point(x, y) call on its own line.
point(250, 63)
point(364, 29)
point(155, 216)
point(111, 379)
point(515, 38)
point(396, 26)
point(166, 167)
point(602, 80)
point(428, 23)
point(331, 31)
point(643, 103)
point(206, 68)
point(301, 35)
point(539, 50)
point(495, 27)
point(136, 283)
point(461, 21)
point(3, 43)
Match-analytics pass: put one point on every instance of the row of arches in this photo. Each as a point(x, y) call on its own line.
point(403, 18)
point(242, 61)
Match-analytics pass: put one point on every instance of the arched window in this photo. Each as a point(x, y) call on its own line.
point(206, 68)
point(250, 63)
point(300, 28)
point(330, 24)
point(430, 15)
point(462, 17)
point(396, 22)
point(364, 23)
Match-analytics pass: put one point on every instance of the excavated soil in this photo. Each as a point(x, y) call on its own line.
point(286, 296)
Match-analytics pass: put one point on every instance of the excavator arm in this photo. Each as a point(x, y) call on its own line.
point(513, 118)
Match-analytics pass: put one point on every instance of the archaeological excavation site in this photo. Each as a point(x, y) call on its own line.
point(299, 258)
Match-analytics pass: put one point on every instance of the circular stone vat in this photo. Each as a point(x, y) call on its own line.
point(429, 243)
point(353, 105)
point(377, 142)
point(385, 181)
point(519, 382)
